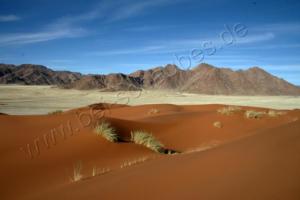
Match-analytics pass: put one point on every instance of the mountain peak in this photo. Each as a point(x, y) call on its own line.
point(203, 66)
point(256, 68)
point(171, 66)
point(204, 79)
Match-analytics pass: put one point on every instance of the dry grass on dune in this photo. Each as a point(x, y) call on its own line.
point(144, 138)
point(252, 114)
point(96, 171)
point(153, 111)
point(217, 124)
point(77, 176)
point(147, 140)
point(229, 110)
point(56, 112)
point(105, 130)
point(133, 162)
point(274, 113)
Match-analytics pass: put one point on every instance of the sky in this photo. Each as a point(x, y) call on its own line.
point(109, 36)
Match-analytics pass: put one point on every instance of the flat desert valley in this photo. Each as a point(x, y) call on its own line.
point(26, 100)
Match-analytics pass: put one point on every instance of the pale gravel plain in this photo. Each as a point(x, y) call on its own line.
point(26, 100)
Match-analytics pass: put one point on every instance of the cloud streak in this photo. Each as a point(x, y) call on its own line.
point(42, 36)
point(135, 8)
point(9, 18)
point(181, 45)
point(68, 26)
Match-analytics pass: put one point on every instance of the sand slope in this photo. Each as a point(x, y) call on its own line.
point(245, 159)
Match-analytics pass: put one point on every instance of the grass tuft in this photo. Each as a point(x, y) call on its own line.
point(153, 111)
point(96, 171)
point(217, 124)
point(251, 114)
point(56, 112)
point(147, 140)
point(105, 130)
point(229, 110)
point(77, 176)
point(274, 113)
point(133, 162)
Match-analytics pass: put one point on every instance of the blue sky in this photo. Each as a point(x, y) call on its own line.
point(92, 36)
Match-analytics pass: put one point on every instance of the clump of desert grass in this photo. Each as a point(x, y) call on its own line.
point(153, 111)
point(229, 110)
point(218, 124)
point(252, 114)
point(105, 130)
point(77, 176)
point(148, 140)
point(274, 113)
point(56, 112)
point(133, 162)
point(97, 172)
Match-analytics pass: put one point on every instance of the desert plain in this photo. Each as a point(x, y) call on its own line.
point(19, 99)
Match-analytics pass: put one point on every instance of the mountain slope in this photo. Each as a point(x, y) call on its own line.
point(28, 74)
point(254, 81)
point(207, 79)
point(110, 82)
point(203, 79)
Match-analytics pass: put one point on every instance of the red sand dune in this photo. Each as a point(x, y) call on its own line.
point(245, 159)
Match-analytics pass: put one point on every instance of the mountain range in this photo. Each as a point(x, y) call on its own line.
point(204, 79)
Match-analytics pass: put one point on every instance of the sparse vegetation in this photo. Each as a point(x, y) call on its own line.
point(229, 110)
point(56, 112)
point(218, 124)
point(153, 111)
point(147, 140)
point(77, 176)
point(252, 114)
point(133, 162)
point(105, 130)
point(274, 113)
point(97, 172)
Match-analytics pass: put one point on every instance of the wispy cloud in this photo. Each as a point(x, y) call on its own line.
point(144, 28)
point(135, 8)
point(9, 18)
point(145, 49)
point(64, 27)
point(71, 26)
point(112, 11)
point(42, 36)
point(256, 38)
point(180, 45)
point(288, 27)
point(273, 46)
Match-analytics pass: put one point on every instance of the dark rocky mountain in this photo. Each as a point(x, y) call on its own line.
point(110, 82)
point(207, 79)
point(254, 81)
point(204, 79)
point(168, 77)
point(28, 74)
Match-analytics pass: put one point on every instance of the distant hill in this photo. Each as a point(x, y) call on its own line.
point(28, 74)
point(204, 79)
